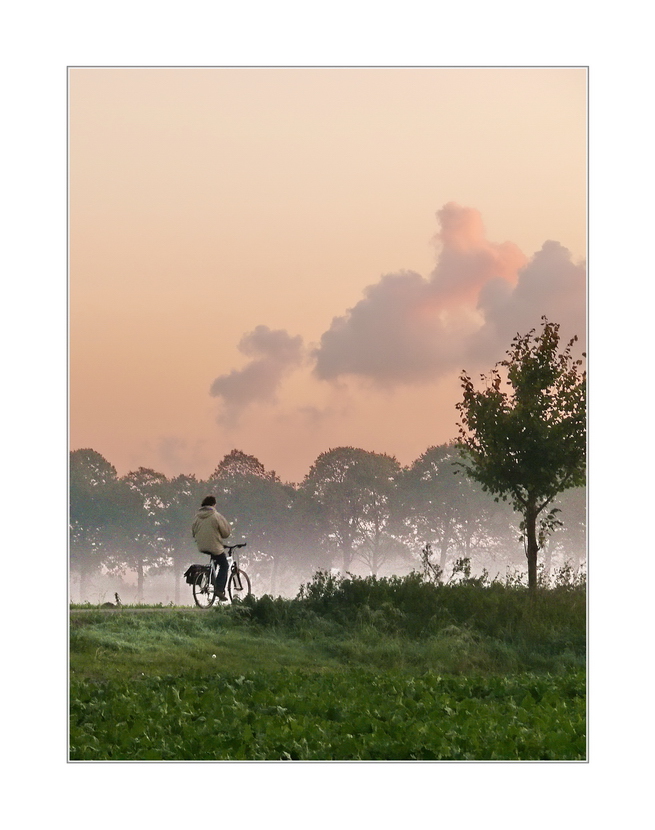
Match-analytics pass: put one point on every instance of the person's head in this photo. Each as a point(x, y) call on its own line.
point(208, 501)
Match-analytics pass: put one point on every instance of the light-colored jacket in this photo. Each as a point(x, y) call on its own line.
point(209, 529)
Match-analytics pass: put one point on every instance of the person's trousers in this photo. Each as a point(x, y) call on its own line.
point(223, 566)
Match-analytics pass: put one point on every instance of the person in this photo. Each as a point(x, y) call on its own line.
point(209, 529)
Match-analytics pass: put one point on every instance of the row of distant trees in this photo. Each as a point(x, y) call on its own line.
point(516, 471)
point(355, 510)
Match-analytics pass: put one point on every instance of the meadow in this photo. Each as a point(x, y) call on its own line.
point(351, 669)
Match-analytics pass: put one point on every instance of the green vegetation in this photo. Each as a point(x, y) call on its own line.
point(380, 669)
point(352, 714)
point(527, 444)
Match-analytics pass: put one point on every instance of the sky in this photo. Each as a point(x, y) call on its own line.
point(286, 260)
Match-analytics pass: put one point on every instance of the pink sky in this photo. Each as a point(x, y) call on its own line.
point(288, 260)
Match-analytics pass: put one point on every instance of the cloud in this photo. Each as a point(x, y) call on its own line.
point(274, 355)
point(551, 284)
point(395, 334)
point(467, 260)
point(409, 329)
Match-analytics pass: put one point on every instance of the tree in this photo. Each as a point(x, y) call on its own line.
point(375, 475)
point(141, 507)
point(447, 510)
point(353, 489)
point(569, 543)
point(182, 498)
point(573, 535)
point(526, 442)
point(255, 506)
point(300, 553)
point(92, 478)
point(237, 463)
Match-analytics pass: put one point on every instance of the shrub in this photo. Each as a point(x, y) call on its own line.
point(550, 621)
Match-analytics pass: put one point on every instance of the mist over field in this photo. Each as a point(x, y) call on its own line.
point(356, 512)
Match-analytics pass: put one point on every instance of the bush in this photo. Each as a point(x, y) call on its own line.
point(552, 621)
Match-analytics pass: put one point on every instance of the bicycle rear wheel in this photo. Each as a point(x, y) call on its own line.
point(238, 585)
point(203, 591)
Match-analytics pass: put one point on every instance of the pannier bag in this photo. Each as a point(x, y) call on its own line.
point(193, 571)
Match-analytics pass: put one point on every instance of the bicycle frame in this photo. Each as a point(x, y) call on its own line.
point(237, 580)
point(213, 571)
point(236, 573)
point(233, 566)
point(231, 563)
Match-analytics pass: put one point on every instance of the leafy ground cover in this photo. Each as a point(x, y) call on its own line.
point(350, 670)
point(351, 714)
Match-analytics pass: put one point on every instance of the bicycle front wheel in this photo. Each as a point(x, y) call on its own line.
point(203, 591)
point(238, 586)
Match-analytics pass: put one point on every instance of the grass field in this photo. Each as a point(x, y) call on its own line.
point(355, 670)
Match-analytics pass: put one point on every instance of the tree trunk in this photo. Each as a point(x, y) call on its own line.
point(178, 584)
point(347, 559)
point(83, 583)
point(442, 554)
point(548, 561)
point(375, 552)
point(443, 551)
point(274, 577)
point(533, 546)
point(139, 583)
point(346, 549)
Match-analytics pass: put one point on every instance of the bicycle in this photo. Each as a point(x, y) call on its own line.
point(204, 583)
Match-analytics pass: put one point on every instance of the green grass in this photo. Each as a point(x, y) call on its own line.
point(371, 670)
point(352, 714)
point(176, 642)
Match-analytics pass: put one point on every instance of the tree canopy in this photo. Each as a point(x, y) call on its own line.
point(238, 463)
point(524, 434)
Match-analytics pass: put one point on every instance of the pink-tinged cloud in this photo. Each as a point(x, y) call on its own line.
point(411, 330)
point(467, 260)
point(274, 355)
point(408, 329)
point(551, 284)
point(390, 335)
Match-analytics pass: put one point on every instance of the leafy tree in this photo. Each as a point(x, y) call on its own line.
point(91, 480)
point(353, 489)
point(298, 553)
point(573, 534)
point(237, 463)
point(447, 511)
point(431, 499)
point(140, 517)
point(329, 485)
point(523, 435)
point(376, 476)
point(568, 544)
point(253, 506)
point(182, 496)
point(271, 516)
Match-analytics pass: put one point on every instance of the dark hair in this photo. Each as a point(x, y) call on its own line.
point(208, 501)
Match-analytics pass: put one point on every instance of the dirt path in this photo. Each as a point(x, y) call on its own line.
point(127, 609)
